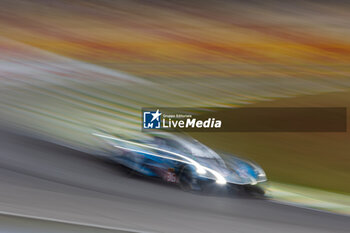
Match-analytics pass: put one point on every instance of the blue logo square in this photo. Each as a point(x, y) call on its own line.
point(151, 120)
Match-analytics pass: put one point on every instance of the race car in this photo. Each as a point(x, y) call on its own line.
point(185, 161)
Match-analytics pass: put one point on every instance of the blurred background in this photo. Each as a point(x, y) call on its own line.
point(68, 67)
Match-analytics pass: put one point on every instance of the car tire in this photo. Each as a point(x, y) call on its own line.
point(254, 190)
point(187, 181)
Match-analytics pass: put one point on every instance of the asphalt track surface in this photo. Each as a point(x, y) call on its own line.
point(41, 179)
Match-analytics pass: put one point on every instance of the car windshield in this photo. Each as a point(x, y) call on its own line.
point(211, 162)
point(192, 148)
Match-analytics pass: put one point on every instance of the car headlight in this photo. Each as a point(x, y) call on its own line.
point(200, 170)
point(218, 177)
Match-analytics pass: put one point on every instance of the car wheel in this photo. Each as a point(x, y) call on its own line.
point(254, 190)
point(187, 181)
point(128, 171)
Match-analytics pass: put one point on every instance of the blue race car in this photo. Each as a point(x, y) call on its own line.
point(186, 162)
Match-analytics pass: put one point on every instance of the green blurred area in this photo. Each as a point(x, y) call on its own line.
point(319, 160)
